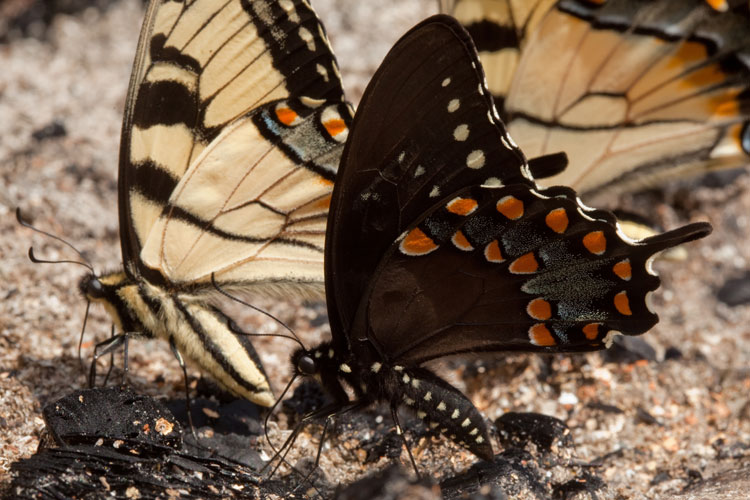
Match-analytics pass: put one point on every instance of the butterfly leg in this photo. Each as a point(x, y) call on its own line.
point(400, 432)
point(188, 406)
point(286, 446)
point(345, 409)
point(328, 419)
point(103, 348)
point(111, 358)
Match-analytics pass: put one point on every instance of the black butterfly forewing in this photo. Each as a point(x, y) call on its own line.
point(425, 127)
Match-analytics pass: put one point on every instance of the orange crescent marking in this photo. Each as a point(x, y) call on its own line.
point(461, 242)
point(719, 5)
point(417, 243)
point(557, 220)
point(286, 116)
point(335, 126)
point(539, 335)
point(462, 206)
point(595, 242)
point(591, 331)
point(623, 269)
point(525, 264)
point(492, 252)
point(539, 309)
point(511, 207)
point(622, 304)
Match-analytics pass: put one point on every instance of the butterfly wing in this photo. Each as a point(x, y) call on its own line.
point(212, 172)
point(499, 29)
point(634, 92)
point(519, 269)
point(427, 256)
point(425, 127)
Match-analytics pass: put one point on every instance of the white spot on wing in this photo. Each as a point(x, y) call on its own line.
point(461, 133)
point(475, 159)
point(307, 37)
point(435, 192)
point(446, 82)
point(453, 105)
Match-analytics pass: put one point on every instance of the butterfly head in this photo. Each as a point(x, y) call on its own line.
point(304, 364)
point(101, 288)
point(91, 288)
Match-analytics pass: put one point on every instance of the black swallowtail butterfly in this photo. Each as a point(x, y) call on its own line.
point(439, 242)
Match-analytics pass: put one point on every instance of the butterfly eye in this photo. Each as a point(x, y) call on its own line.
point(94, 288)
point(306, 365)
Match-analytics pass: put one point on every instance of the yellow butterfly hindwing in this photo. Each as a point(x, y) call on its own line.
point(633, 92)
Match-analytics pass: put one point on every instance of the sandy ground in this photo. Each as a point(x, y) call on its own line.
point(655, 427)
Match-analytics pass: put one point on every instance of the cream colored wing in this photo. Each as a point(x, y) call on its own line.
point(192, 145)
point(260, 224)
point(634, 92)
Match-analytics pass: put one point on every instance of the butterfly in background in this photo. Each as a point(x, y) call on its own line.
point(635, 92)
point(439, 242)
point(234, 125)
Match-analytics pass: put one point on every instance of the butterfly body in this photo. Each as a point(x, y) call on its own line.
point(440, 242)
point(234, 124)
point(442, 407)
point(199, 331)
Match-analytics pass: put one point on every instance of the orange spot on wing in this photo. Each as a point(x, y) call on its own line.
point(324, 203)
point(591, 331)
point(461, 206)
point(623, 269)
point(707, 76)
point(461, 242)
point(622, 304)
point(557, 220)
point(687, 54)
point(719, 5)
point(595, 242)
point(511, 207)
point(286, 115)
point(539, 309)
point(335, 126)
point(492, 252)
point(540, 335)
point(727, 109)
point(525, 264)
point(417, 243)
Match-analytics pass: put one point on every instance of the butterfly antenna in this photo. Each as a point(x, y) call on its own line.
point(266, 313)
point(35, 260)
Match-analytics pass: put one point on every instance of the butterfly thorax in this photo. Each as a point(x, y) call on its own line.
point(442, 407)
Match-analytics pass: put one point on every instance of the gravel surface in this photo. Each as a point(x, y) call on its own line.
point(653, 428)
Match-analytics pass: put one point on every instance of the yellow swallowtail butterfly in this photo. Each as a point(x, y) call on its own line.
point(233, 129)
point(633, 91)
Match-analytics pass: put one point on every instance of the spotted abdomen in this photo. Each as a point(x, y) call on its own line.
point(445, 409)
